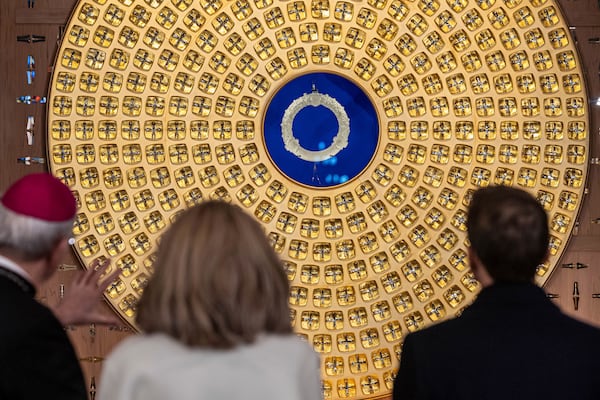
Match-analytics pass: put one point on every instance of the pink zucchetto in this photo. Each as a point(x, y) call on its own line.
point(40, 196)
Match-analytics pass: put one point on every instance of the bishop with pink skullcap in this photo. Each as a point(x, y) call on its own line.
point(36, 218)
point(40, 196)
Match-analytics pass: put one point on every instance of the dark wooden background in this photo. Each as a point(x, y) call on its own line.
point(572, 289)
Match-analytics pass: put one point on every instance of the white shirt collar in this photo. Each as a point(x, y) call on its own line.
point(10, 265)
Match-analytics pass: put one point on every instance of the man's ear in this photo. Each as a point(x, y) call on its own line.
point(546, 256)
point(478, 269)
point(473, 259)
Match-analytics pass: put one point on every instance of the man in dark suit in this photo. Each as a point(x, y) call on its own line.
point(512, 342)
point(37, 360)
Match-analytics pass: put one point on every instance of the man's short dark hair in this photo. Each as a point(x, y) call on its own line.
point(508, 230)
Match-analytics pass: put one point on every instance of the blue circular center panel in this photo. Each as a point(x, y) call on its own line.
point(321, 130)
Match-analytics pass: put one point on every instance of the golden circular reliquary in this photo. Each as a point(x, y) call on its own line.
point(354, 131)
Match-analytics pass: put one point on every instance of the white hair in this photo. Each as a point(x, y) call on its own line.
point(31, 238)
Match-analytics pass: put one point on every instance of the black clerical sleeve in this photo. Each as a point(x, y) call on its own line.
point(37, 360)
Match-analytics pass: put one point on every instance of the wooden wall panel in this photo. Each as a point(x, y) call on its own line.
point(93, 343)
point(584, 247)
point(581, 13)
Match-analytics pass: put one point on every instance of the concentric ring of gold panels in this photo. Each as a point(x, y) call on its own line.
point(156, 105)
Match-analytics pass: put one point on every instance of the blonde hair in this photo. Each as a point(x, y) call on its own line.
point(217, 281)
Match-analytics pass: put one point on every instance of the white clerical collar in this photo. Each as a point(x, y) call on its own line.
point(10, 265)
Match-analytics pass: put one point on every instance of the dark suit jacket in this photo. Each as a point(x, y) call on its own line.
point(511, 343)
point(37, 360)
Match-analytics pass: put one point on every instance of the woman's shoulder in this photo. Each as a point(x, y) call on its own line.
point(290, 340)
point(289, 346)
point(148, 348)
point(141, 346)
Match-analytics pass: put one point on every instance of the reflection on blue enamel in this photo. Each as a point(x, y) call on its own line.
point(315, 127)
point(336, 179)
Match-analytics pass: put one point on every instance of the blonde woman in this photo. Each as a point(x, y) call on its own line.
point(215, 318)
